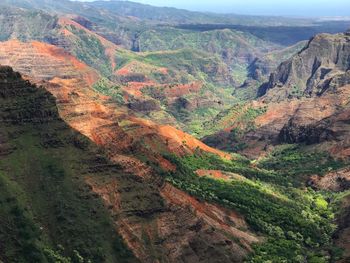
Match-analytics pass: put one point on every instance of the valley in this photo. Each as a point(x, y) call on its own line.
point(133, 133)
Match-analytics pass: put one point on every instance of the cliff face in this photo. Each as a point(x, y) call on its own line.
point(321, 67)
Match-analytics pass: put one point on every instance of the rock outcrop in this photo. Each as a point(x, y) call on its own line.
point(321, 67)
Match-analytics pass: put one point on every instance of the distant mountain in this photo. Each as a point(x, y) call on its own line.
point(23, 24)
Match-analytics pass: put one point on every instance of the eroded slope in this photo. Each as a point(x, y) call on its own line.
point(140, 211)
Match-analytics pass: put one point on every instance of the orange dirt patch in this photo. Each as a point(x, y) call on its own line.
point(212, 173)
point(58, 53)
point(186, 142)
point(217, 174)
point(123, 71)
point(45, 61)
point(182, 89)
point(163, 71)
point(135, 88)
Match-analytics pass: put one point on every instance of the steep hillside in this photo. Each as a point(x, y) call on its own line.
point(186, 85)
point(48, 210)
point(231, 44)
point(300, 125)
point(46, 62)
point(256, 127)
point(94, 166)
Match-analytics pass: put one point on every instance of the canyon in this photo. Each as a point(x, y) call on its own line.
point(128, 136)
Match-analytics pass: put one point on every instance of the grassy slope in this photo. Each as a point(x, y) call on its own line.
point(89, 49)
point(172, 38)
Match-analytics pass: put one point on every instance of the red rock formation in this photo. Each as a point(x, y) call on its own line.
point(69, 80)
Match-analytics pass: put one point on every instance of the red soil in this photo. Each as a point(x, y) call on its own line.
point(213, 173)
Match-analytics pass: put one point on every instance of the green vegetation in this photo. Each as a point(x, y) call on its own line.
point(297, 222)
point(48, 211)
point(239, 119)
point(216, 41)
point(247, 93)
point(90, 50)
point(16, 219)
point(26, 25)
point(47, 206)
point(188, 65)
point(184, 66)
point(296, 92)
point(106, 87)
point(297, 164)
point(194, 120)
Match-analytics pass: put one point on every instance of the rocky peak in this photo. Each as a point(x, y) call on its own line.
point(322, 66)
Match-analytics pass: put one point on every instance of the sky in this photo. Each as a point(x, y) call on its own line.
point(261, 7)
